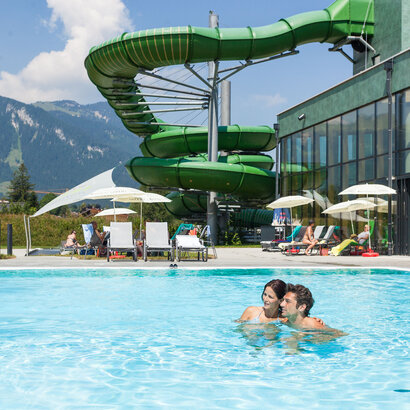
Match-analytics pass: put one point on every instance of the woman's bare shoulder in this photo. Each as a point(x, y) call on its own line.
point(250, 312)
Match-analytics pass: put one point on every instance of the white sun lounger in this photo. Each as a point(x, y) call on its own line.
point(190, 243)
point(121, 239)
point(157, 239)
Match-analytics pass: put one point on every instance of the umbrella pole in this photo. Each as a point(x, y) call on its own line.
point(141, 221)
point(368, 223)
point(351, 221)
point(291, 223)
point(115, 216)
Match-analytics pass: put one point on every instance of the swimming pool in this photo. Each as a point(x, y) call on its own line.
point(150, 338)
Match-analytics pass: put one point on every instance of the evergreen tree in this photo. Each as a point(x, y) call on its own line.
point(20, 187)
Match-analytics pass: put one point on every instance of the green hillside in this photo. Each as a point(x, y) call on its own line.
point(62, 143)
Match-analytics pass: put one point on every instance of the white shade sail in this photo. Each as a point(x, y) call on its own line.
point(109, 193)
point(115, 211)
point(79, 192)
point(290, 202)
point(368, 189)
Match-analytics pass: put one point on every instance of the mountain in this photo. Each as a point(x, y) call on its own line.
point(63, 143)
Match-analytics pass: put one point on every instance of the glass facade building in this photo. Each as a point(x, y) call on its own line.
point(352, 148)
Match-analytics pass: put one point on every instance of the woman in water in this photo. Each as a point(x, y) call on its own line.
point(271, 296)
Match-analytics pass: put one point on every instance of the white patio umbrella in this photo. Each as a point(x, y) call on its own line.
point(349, 206)
point(109, 193)
point(290, 202)
point(115, 211)
point(146, 197)
point(368, 189)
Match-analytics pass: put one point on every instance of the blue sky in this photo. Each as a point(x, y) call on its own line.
point(47, 41)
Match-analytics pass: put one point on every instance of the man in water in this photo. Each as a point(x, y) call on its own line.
point(296, 305)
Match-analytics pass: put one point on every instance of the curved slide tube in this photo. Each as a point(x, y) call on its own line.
point(113, 65)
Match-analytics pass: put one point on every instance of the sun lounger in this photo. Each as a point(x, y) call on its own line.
point(157, 239)
point(121, 239)
point(299, 245)
point(88, 231)
point(67, 250)
point(190, 243)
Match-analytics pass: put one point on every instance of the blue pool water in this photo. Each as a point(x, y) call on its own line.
point(148, 339)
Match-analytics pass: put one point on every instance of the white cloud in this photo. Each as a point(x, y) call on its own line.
point(57, 75)
point(269, 100)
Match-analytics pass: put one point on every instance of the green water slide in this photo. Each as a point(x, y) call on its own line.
point(168, 150)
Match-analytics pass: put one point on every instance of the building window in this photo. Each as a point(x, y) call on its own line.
point(297, 149)
point(334, 186)
point(404, 162)
point(349, 140)
point(366, 131)
point(307, 151)
point(320, 145)
point(349, 174)
point(333, 129)
point(382, 126)
point(366, 169)
point(404, 122)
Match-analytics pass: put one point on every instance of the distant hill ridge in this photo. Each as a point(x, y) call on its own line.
point(62, 143)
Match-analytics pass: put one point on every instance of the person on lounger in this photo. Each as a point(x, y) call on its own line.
point(72, 241)
point(309, 239)
point(99, 239)
point(363, 236)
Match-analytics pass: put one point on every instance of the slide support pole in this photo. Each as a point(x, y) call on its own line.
point(212, 208)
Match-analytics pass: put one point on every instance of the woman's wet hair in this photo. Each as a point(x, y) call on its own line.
point(311, 222)
point(278, 286)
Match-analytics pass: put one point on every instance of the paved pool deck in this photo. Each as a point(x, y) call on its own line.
point(227, 257)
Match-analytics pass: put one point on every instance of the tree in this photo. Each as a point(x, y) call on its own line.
point(20, 187)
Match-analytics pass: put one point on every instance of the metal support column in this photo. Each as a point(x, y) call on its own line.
point(212, 208)
point(276, 127)
point(9, 239)
point(225, 102)
point(388, 66)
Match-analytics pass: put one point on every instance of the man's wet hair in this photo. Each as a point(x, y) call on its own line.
point(303, 297)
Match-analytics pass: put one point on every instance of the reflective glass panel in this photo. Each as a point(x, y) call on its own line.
point(404, 162)
point(404, 123)
point(297, 149)
point(349, 175)
point(382, 118)
point(366, 130)
point(334, 140)
point(320, 145)
point(307, 151)
point(366, 170)
point(334, 185)
point(349, 136)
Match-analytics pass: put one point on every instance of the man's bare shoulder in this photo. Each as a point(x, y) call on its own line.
point(313, 323)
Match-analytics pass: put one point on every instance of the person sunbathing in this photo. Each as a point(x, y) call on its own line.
point(72, 240)
point(309, 238)
point(363, 236)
